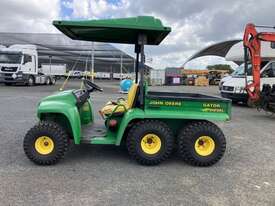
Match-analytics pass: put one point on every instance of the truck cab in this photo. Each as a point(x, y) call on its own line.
point(18, 64)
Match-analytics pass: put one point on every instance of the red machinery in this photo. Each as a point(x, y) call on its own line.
point(252, 51)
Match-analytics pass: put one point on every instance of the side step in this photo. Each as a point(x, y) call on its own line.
point(96, 134)
point(92, 131)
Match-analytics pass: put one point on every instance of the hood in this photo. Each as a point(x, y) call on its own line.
point(233, 82)
point(66, 95)
point(224, 79)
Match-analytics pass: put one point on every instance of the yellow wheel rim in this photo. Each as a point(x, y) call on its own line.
point(204, 145)
point(150, 144)
point(44, 145)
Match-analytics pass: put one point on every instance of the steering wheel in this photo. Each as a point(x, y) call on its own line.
point(90, 86)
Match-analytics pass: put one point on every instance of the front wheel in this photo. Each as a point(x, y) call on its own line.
point(150, 142)
point(201, 143)
point(30, 81)
point(46, 143)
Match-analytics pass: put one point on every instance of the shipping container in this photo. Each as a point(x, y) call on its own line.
point(173, 76)
point(123, 75)
point(173, 72)
point(102, 75)
point(157, 77)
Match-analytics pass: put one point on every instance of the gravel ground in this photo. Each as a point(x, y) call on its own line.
point(105, 175)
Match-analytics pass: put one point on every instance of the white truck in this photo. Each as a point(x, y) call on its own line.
point(19, 64)
point(102, 75)
point(233, 86)
point(56, 70)
point(123, 75)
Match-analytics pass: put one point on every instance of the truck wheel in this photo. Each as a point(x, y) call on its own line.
point(30, 81)
point(201, 143)
point(53, 80)
point(46, 143)
point(47, 81)
point(150, 142)
point(8, 83)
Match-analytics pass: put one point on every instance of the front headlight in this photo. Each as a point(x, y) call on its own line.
point(19, 74)
point(220, 85)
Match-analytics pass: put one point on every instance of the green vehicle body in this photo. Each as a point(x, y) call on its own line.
point(151, 123)
point(61, 107)
point(175, 109)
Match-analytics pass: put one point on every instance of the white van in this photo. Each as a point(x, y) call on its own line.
point(233, 86)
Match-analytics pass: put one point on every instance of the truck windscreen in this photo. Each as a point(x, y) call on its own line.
point(10, 58)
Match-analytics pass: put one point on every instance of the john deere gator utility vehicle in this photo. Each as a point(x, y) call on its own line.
point(152, 123)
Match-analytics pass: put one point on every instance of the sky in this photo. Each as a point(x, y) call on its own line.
point(195, 23)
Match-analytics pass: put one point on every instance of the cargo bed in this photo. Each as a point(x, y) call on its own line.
point(188, 105)
point(184, 96)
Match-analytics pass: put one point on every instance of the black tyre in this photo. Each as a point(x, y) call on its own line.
point(30, 81)
point(150, 142)
point(46, 143)
point(53, 81)
point(250, 103)
point(8, 83)
point(47, 81)
point(201, 143)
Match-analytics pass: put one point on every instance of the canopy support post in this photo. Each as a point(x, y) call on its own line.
point(93, 60)
point(121, 62)
point(142, 40)
point(137, 51)
point(50, 65)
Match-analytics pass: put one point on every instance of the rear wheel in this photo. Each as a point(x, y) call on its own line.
point(150, 142)
point(201, 143)
point(48, 81)
point(53, 80)
point(8, 83)
point(46, 143)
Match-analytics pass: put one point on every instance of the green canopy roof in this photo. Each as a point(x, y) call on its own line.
point(123, 30)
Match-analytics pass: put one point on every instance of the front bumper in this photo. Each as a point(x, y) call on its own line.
point(240, 97)
point(8, 78)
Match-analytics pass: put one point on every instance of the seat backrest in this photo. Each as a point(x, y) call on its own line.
point(131, 95)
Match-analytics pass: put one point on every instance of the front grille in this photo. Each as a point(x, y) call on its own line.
point(227, 88)
point(9, 69)
point(7, 75)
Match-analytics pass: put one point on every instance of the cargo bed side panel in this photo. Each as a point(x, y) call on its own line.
point(187, 106)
